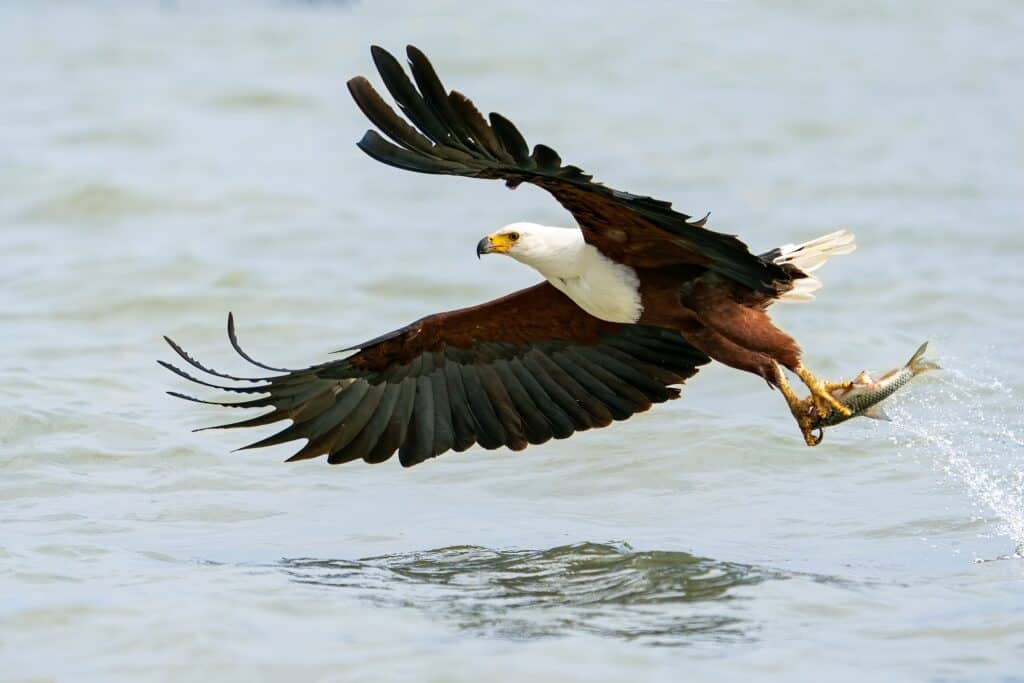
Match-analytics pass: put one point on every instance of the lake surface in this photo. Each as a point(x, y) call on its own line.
point(162, 164)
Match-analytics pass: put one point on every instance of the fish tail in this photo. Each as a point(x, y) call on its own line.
point(917, 364)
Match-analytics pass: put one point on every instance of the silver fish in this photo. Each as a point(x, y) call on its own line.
point(864, 394)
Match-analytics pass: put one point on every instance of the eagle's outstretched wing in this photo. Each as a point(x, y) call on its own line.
point(522, 369)
point(452, 137)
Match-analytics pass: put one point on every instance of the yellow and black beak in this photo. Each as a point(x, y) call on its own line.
point(493, 244)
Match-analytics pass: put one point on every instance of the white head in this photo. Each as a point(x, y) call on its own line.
point(555, 252)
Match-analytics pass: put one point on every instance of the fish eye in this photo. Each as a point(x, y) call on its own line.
point(514, 236)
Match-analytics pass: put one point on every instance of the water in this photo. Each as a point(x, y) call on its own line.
point(979, 449)
point(164, 163)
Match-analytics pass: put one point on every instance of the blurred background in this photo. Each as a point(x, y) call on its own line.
point(163, 163)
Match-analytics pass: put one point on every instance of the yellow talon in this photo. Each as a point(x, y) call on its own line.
point(821, 393)
point(803, 410)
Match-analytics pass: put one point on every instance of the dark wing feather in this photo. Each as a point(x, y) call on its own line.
point(450, 136)
point(522, 369)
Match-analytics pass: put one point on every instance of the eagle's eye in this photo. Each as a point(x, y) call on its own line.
point(514, 236)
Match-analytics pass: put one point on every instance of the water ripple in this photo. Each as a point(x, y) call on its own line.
point(657, 597)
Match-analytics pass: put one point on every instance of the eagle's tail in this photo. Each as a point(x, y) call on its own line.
point(808, 257)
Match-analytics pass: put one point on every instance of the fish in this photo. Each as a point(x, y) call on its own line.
point(864, 395)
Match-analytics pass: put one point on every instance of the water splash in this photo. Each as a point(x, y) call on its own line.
point(973, 423)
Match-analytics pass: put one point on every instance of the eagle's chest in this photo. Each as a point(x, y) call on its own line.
point(604, 289)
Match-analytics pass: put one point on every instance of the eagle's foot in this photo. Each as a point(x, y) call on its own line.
point(821, 393)
point(804, 411)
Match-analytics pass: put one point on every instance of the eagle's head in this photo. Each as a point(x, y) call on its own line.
point(553, 251)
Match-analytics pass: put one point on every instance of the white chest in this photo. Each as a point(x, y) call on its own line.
point(604, 289)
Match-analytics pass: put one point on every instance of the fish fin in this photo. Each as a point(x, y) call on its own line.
point(918, 364)
point(876, 412)
point(863, 379)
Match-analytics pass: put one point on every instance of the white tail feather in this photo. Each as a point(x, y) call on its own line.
point(810, 256)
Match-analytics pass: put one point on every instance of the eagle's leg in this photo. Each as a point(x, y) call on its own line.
point(801, 409)
point(821, 392)
point(745, 323)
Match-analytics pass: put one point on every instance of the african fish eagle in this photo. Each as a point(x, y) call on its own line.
point(634, 300)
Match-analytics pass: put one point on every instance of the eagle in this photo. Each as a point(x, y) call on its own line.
point(634, 300)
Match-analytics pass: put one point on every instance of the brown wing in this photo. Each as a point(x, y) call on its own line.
point(451, 137)
point(519, 370)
